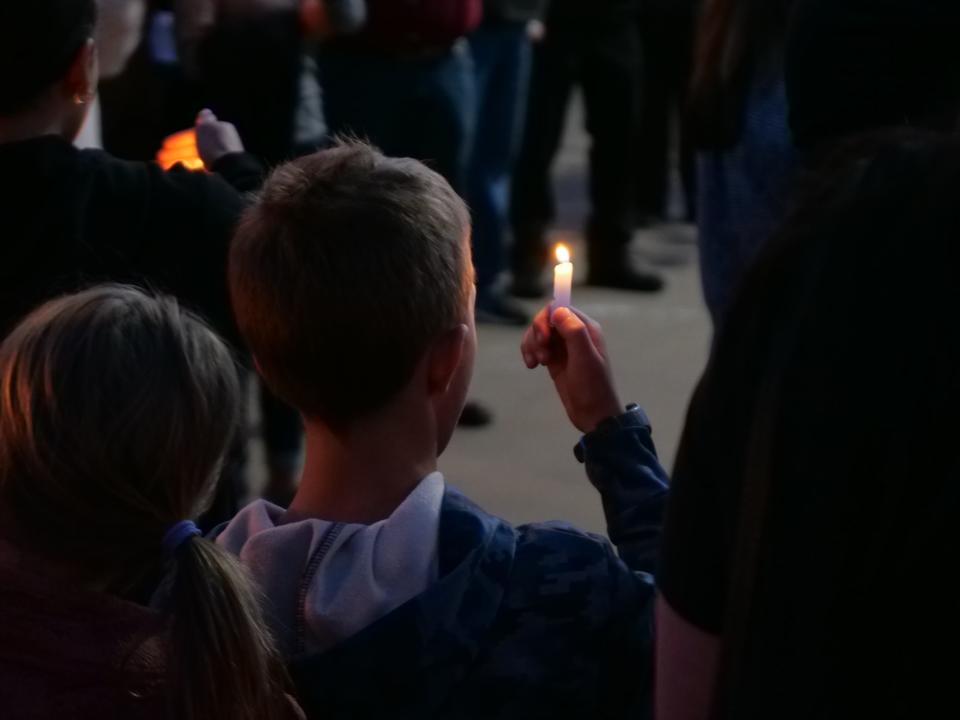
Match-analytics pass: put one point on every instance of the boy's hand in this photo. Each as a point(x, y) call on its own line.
point(216, 139)
point(572, 349)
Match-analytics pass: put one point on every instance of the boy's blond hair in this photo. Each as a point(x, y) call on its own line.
point(346, 268)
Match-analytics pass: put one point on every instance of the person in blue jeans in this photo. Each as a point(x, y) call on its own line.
point(746, 159)
point(411, 95)
point(501, 56)
point(407, 85)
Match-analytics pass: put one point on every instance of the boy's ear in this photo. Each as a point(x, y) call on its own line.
point(82, 77)
point(444, 359)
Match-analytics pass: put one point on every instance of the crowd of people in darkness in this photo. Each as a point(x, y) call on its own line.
point(375, 182)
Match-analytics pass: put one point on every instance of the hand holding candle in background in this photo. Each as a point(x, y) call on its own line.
point(216, 138)
point(200, 147)
point(571, 346)
point(180, 149)
point(562, 278)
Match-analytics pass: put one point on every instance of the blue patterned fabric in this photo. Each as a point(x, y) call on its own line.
point(535, 621)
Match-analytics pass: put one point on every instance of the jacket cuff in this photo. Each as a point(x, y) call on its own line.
point(241, 170)
point(633, 419)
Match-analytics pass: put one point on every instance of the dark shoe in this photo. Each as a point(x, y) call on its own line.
point(625, 277)
point(475, 415)
point(497, 309)
point(529, 286)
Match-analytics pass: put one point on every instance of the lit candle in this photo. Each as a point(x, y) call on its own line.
point(562, 278)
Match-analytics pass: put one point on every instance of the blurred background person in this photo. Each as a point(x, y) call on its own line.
point(805, 570)
point(153, 97)
point(501, 49)
point(738, 118)
point(245, 58)
point(72, 216)
point(405, 82)
point(667, 29)
point(593, 45)
point(249, 61)
point(119, 32)
point(857, 65)
point(849, 296)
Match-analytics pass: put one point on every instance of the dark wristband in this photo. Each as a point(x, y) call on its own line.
point(634, 418)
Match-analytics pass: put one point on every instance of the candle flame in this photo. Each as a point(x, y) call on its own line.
point(180, 148)
point(563, 253)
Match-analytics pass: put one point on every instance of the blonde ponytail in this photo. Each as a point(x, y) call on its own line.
point(223, 661)
point(116, 409)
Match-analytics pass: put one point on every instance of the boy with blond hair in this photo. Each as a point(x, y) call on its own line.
point(389, 591)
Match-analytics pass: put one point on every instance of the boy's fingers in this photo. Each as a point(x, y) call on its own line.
point(596, 332)
point(584, 318)
point(539, 337)
point(528, 348)
point(541, 327)
point(535, 352)
point(527, 340)
point(206, 116)
point(574, 331)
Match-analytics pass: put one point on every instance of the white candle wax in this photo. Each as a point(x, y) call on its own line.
point(562, 279)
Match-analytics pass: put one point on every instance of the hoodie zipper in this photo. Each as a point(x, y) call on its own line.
point(323, 549)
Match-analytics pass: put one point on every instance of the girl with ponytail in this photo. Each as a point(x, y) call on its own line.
point(116, 408)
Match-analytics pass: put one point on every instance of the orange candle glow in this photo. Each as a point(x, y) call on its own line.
point(180, 148)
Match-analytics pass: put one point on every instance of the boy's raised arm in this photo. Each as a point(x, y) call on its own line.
point(617, 448)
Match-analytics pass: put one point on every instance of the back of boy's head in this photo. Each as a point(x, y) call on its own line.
point(342, 274)
point(41, 40)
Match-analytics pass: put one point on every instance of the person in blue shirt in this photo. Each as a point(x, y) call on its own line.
point(388, 590)
point(738, 117)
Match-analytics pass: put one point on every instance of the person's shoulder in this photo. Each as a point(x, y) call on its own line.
point(131, 180)
point(561, 570)
point(111, 168)
point(546, 556)
point(558, 552)
point(559, 535)
point(177, 186)
point(541, 547)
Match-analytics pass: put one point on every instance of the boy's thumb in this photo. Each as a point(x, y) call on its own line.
point(573, 331)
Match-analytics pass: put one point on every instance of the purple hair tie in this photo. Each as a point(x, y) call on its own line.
point(177, 535)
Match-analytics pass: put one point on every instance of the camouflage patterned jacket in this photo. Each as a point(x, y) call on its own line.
point(537, 621)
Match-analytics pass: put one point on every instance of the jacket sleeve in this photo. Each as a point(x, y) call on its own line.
point(621, 462)
point(190, 222)
point(242, 171)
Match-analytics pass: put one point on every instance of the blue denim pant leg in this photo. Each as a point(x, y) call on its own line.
point(501, 55)
point(419, 107)
point(743, 195)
